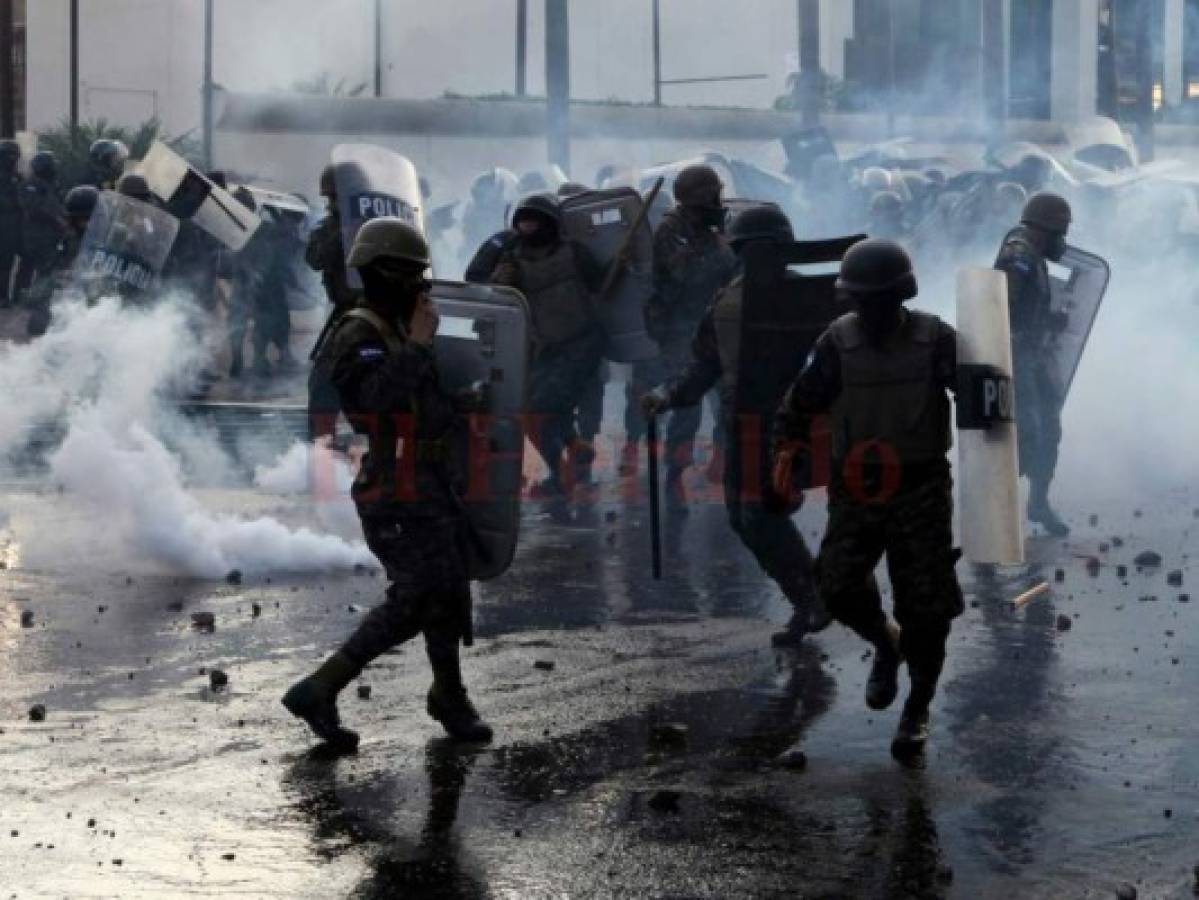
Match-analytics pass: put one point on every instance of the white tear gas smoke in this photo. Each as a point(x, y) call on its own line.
point(317, 471)
point(104, 377)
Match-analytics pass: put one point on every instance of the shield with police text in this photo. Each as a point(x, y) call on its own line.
point(124, 248)
point(373, 182)
point(189, 194)
point(788, 300)
point(612, 225)
point(1078, 282)
point(483, 341)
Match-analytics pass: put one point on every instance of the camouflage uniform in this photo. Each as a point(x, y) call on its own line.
point(43, 227)
point(767, 531)
point(1039, 399)
point(904, 509)
point(412, 521)
point(691, 263)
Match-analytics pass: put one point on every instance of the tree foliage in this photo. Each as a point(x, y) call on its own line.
point(71, 143)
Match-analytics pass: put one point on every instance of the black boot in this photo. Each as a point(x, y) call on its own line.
point(457, 715)
point(883, 684)
point(448, 702)
point(911, 735)
point(314, 699)
point(1043, 514)
point(674, 492)
point(809, 617)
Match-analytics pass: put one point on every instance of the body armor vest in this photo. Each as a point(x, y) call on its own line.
point(557, 297)
point(889, 393)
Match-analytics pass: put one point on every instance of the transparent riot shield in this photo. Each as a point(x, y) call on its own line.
point(124, 248)
point(373, 182)
point(1078, 282)
point(188, 194)
point(788, 300)
point(610, 225)
point(484, 337)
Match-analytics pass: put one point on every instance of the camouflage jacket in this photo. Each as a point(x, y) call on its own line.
point(326, 254)
point(691, 263)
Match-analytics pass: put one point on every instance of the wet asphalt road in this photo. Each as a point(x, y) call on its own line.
point(1061, 763)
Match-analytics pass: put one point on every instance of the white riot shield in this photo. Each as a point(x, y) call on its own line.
point(1078, 282)
point(990, 517)
point(604, 222)
point(124, 248)
point(188, 194)
point(28, 142)
point(485, 336)
point(373, 182)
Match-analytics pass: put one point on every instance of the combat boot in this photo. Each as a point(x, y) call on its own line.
point(457, 715)
point(810, 616)
point(911, 735)
point(883, 684)
point(674, 492)
point(314, 699)
point(1040, 512)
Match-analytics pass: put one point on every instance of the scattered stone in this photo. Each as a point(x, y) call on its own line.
point(1094, 520)
point(37, 713)
point(1148, 598)
point(1136, 514)
point(794, 759)
point(91, 823)
point(665, 801)
point(1092, 565)
point(255, 609)
point(1174, 579)
point(364, 692)
point(610, 516)
point(175, 606)
point(1126, 892)
point(1148, 559)
point(1168, 813)
point(101, 609)
point(27, 618)
point(516, 833)
point(1059, 575)
point(945, 874)
point(1184, 598)
point(975, 604)
point(545, 665)
point(1063, 623)
point(1103, 547)
point(234, 577)
point(228, 857)
point(1121, 571)
point(218, 680)
point(352, 608)
point(670, 734)
point(204, 620)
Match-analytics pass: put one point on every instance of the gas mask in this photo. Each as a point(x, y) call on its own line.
point(880, 317)
point(1055, 246)
point(714, 218)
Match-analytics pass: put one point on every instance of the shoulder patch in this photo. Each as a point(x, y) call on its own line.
point(371, 353)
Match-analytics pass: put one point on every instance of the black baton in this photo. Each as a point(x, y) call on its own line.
point(655, 531)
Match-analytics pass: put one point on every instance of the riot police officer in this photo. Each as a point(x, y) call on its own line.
point(10, 219)
point(382, 364)
point(325, 252)
point(107, 157)
point(558, 278)
point(44, 223)
point(764, 526)
point(1040, 236)
point(882, 372)
point(692, 261)
point(78, 206)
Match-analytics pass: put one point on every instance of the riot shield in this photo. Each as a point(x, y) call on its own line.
point(1078, 282)
point(604, 223)
point(485, 336)
point(373, 182)
point(124, 248)
point(188, 194)
point(783, 312)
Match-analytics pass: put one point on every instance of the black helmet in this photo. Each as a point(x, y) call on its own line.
point(108, 157)
point(1049, 212)
point(44, 165)
point(133, 185)
point(10, 154)
point(541, 206)
point(81, 201)
point(698, 186)
point(875, 267)
point(760, 223)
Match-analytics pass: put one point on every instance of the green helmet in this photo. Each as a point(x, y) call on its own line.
point(760, 223)
point(698, 186)
point(877, 267)
point(389, 238)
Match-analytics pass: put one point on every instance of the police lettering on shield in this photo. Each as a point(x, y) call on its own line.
point(376, 206)
point(123, 270)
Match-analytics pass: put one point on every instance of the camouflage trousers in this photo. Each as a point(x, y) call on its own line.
point(914, 530)
point(425, 560)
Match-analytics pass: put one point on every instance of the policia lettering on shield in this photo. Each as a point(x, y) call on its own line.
point(882, 372)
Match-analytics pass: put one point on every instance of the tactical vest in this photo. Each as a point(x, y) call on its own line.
point(1028, 319)
point(557, 297)
point(889, 394)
